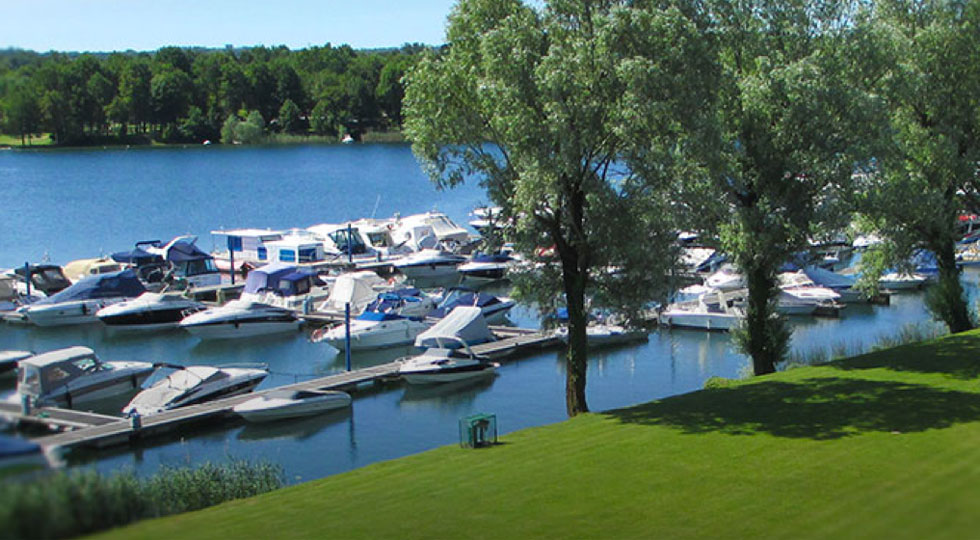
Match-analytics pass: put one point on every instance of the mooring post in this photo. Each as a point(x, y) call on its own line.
point(231, 260)
point(350, 245)
point(347, 334)
point(27, 279)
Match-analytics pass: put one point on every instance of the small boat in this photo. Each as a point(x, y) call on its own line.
point(72, 376)
point(727, 278)
point(447, 356)
point(149, 311)
point(358, 289)
point(189, 264)
point(429, 264)
point(897, 281)
point(280, 404)
point(372, 330)
point(606, 335)
point(485, 267)
point(9, 360)
point(407, 302)
point(284, 285)
point(494, 308)
point(46, 278)
point(190, 385)
point(79, 303)
point(698, 314)
point(239, 319)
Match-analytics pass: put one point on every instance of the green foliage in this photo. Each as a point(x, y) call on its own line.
point(289, 118)
point(228, 129)
point(68, 504)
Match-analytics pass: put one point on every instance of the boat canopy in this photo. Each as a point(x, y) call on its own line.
point(461, 296)
point(391, 300)
point(491, 257)
point(270, 277)
point(356, 288)
point(184, 251)
point(112, 285)
point(465, 323)
point(379, 316)
point(137, 257)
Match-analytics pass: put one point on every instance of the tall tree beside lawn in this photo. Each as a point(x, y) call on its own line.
point(22, 112)
point(928, 174)
point(536, 105)
point(289, 117)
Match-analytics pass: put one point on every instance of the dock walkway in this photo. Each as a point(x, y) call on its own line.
point(96, 430)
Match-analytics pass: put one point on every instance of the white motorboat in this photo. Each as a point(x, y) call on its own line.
point(447, 356)
point(487, 219)
point(841, 284)
point(79, 303)
point(429, 264)
point(280, 404)
point(727, 278)
point(898, 281)
point(485, 267)
point(9, 360)
point(148, 311)
point(239, 319)
point(799, 295)
point(358, 289)
point(191, 385)
point(438, 365)
point(72, 376)
point(606, 335)
point(698, 314)
point(189, 263)
point(407, 302)
point(494, 308)
point(372, 330)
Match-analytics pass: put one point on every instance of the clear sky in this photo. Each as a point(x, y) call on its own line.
point(146, 25)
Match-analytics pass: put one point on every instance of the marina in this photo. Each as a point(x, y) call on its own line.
point(385, 420)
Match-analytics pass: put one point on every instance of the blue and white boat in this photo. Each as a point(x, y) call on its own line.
point(285, 285)
point(241, 319)
point(494, 308)
point(373, 330)
point(485, 267)
point(79, 303)
point(448, 356)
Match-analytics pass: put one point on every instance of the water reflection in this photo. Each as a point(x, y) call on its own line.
point(293, 428)
point(446, 395)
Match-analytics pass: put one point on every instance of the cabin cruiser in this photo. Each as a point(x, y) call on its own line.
point(72, 376)
point(407, 302)
point(799, 295)
point(245, 247)
point(494, 308)
point(372, 330)
point(79, 303)
point(83, 268)
point(189, 264)
point(710, 309)
point(284, 285)
point(149, 311)
point(358, 289)
point(601, 334)
point(281, 404)
point(429, 264)
point(46, 279)
point(726, 278)
point(841, 284)
point(191, 385)
point(487, 219)
point(239, 319)
point(428, 230)
point(485, 267)
point(149, 267)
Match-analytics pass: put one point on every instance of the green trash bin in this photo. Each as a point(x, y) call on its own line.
point(478, 430)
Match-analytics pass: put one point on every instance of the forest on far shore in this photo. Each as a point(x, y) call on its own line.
point(191, 95)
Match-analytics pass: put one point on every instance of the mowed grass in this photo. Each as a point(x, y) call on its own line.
point(14, 140)
point(885, 445)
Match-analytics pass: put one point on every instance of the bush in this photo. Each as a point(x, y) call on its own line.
point(66, 504)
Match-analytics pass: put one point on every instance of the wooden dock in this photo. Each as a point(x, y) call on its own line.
point(95, 430)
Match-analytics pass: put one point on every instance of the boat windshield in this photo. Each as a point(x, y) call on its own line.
point(30, 381)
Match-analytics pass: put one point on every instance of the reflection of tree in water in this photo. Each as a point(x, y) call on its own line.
point(446, 395)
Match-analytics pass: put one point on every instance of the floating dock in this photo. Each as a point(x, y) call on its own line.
point(84, 429)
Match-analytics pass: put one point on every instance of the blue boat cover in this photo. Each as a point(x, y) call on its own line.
point(111, 285)
point(461, 296)
point(182, 251)
point(273, 277)
point(391, 300)
point(289, 285)
point(13, 447)
point(378, 316)
point(137, 256)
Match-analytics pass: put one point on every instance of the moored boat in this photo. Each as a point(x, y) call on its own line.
point(148, 311)
point(281, 404)
point(72, 376)
point(79, 303)
point(240, 319)
point(190, 385)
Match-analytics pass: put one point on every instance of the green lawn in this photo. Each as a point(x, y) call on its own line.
point(14, 140)
point(882, 445)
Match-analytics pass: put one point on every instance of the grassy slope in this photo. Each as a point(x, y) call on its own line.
point(886, 444)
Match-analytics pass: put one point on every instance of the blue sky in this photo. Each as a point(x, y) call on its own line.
point(119, 25)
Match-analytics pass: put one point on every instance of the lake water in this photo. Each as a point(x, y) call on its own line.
point(70, 204)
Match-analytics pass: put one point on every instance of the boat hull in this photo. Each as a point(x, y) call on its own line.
point(241, 329)
point(436, 376)
point(704, 321)
point(83, 394)
point(67, 313)
point(379, 336)
point(267, 410)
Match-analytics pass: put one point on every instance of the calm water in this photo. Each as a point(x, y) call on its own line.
point(73, 204)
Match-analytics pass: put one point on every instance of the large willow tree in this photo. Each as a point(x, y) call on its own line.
point(789, 124)
point(546, 107)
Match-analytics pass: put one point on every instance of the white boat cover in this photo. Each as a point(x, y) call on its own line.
point(464, 322)
point(358, 288)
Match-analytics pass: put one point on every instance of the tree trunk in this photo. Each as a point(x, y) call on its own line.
point(576, 357)
point(946, 300)
point(764, 333)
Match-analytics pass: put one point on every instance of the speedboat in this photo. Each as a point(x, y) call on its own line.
point(280, 404)
point(429, 264)
point(191, 385)
point(799, 295)
point(9, 360)
point(605, 335)
point(49, 279)
point(407, 302)
point(240, 318)
point(727, 278)
point(699, 314)
point(79, 303)
point(372, 330)
point(69, 377)
point(190, 265)
point(485, 267)
point(149, 311)
point(494, 308)
point(440, 365)
point(357, 289)
point(897, 281)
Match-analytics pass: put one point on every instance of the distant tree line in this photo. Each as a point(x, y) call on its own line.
point(191, 95)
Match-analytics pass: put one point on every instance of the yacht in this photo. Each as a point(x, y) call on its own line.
point(79, 303)
point(72, 376)
point(485, 267)
point(699, 313)
point(239, 319)
point(372, 330)
point(494, 308)
point(149, 311)
point(191, 385)
point(284, 285)
point(799, 295)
